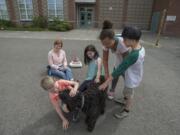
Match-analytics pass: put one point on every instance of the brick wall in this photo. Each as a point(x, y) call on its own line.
point(96, 14)
point(16, 8)
point(139, 13)
point(159, 5)
point(173, 27)
point(13, 10)
point(65, 10)
point(120, 12)
point(126, 12)
point(36, 7)
point(40, 8)
point(111, 10)
point(72, 12)
point(45, 8)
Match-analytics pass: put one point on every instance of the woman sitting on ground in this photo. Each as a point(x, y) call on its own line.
point(58, 66)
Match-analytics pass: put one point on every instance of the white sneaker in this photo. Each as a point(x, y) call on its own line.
point(111, 95)
point(121, 115)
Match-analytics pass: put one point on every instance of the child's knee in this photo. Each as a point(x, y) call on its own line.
point(68, 69)
point(128, 93)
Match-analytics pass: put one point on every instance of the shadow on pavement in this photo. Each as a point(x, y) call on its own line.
point(50, 124)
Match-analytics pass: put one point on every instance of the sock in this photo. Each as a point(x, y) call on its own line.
point(126, 110)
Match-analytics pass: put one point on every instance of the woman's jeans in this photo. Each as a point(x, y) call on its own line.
point(64, 74)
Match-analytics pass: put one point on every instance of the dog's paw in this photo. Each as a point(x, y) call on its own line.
point(90, 129)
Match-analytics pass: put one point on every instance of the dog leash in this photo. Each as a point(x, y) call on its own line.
point(82, 101)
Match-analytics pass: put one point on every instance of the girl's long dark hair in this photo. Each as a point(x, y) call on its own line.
point(90, 48)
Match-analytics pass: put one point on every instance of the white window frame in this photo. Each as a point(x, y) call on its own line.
point(55, 10)
point(26, 13)
point(3, 3)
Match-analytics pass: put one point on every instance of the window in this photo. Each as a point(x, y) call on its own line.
point(3, 10)
point(55, 9)
point(25, 9)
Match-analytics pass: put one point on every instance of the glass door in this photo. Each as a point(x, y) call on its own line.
point(86, 17)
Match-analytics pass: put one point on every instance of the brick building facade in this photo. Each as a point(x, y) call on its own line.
point(91, 13)
point(172, 20)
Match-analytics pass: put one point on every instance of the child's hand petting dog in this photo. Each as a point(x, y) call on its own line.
point(97, 80)
point(72, 93)
point(103, 86)
point(106, 83)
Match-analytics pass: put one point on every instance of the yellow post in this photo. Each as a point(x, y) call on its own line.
point(160, 27)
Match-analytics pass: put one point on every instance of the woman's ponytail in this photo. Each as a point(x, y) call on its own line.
point(107, 25)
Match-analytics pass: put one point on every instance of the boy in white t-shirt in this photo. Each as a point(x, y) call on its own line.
point(131, 67)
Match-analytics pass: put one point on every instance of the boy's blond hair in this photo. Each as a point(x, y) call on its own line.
point(47, 82)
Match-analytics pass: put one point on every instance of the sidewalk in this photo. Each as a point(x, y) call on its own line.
point(77, 34)
point(148, 38)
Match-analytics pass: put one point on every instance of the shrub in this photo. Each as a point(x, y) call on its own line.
point(24, 29)
point(6, 23)
point(59, 25)
point(40, 22)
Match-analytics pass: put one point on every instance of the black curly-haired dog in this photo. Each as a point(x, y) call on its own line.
point(91, 102)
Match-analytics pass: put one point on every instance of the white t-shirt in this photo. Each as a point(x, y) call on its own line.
point(134, 74)
point(121, 48)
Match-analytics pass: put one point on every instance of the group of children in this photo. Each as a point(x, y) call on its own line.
point(129, 59)
point(54, 86)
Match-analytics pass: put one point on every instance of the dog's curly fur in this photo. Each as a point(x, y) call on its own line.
point(94, 103)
